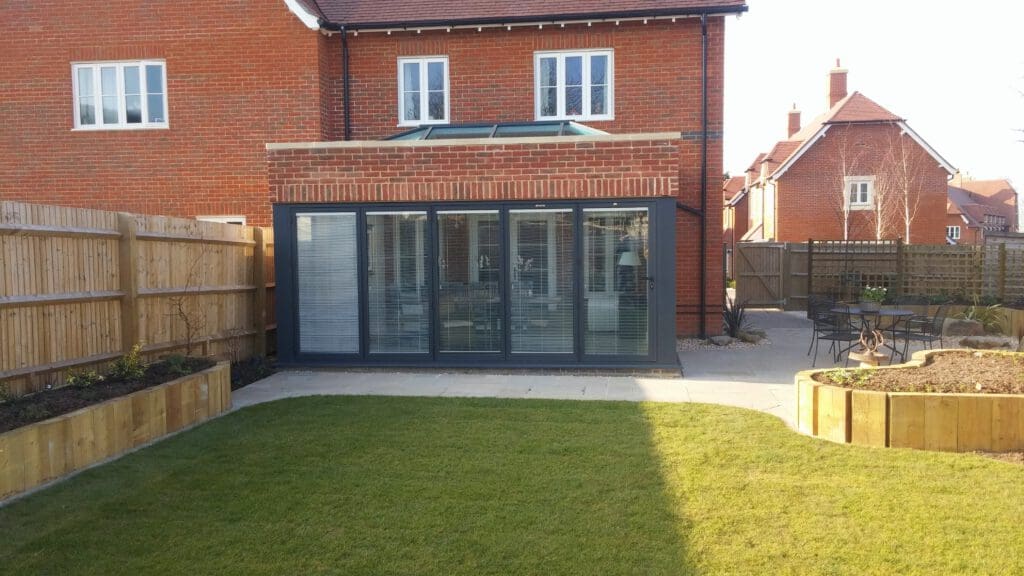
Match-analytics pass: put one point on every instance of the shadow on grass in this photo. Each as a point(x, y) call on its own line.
point(367, 485)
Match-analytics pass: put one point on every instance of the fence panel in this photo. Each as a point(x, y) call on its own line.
point(79, 287)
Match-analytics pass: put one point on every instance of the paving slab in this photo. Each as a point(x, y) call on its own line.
point(758, 378)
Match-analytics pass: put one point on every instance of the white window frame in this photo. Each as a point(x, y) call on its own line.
point(423, 61)
point(561, 55)
point(239, 220)
point(868, 204)
point(122, 120)
point(953, 232)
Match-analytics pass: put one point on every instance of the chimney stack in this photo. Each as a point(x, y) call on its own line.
point(794, 122)
point(836, 85)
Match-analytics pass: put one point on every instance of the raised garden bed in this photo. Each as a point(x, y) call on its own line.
point(940, 400)
point(47, 450)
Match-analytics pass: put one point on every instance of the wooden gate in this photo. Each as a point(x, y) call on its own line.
point(760, 270)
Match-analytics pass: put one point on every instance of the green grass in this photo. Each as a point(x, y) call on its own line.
point(439, 486)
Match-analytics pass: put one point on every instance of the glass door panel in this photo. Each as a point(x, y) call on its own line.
point(328, 278)
point(615, 262)
point(398, 281)
point(470, 307)
point(543, 290)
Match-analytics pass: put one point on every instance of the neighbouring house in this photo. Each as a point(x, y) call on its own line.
point(980, 210)
point(454, 182)
point(856, 172)
point(735, 218)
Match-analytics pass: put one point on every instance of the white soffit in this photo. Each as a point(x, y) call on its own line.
point(307, 18)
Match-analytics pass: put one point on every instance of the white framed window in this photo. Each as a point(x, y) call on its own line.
point(953, 232)
point(860, 192)
point(239, 220)
point(576, 85)
point(423, 91)
point(120, 95)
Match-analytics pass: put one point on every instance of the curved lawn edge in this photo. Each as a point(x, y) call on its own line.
point(52, 450)
point(950, 422)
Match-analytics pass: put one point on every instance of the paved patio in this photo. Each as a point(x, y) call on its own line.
point(759, 378)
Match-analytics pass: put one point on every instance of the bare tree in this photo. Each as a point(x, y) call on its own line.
point(849, 158)
point(186, 306)
point(898, 186)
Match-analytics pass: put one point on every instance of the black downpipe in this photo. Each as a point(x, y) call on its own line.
point(703, 174)
point(345, 84)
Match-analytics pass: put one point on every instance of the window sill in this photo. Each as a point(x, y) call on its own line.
point(861, 207)
point(120, 128)
point(574, 118)
point(421, 124)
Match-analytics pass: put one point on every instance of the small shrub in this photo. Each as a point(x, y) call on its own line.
point(178, 364)
point(734, 318)
point(730, 283)
point(129, 367)
point(848, 378)
point(990, 316)
point(83, 378)
point(6, 395)
point(35, 412)
point(248, 371)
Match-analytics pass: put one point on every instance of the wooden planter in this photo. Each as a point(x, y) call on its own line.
point(38, 453)
point(946, 422)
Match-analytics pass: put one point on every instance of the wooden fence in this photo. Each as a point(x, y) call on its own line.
point(781, 274)
point(79, 288)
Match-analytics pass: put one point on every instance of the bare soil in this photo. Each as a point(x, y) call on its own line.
point(50, 403)
point(949, 373)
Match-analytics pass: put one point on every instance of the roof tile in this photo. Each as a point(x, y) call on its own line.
point(371, 12)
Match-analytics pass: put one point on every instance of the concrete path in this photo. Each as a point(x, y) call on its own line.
point(759, 378)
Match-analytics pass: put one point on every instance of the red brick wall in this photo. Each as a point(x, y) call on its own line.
point(809, 203)
point(417, 173)
point(968, 235)
point(239, 75)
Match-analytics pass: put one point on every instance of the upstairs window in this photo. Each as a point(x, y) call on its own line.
point(120, 95)
point(422, 91)
point(860, 191)
point(574, 85)
point(953, 232)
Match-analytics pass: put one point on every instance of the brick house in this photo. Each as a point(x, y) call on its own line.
point(856, 172)
point(735, 218)
point(977, 209)
point(450, 182)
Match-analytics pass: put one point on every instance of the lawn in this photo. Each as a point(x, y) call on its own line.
point(345, 485)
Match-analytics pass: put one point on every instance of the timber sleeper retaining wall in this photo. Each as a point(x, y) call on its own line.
point(33, 455)
point(926, 421)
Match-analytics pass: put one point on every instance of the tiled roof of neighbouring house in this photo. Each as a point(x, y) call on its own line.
point(732, 187)
point(975, 199)
point(369, 13)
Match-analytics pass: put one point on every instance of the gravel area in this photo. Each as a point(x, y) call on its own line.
point(696, 344)
point(950, 372)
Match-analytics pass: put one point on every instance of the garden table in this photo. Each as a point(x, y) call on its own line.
point(871, 320)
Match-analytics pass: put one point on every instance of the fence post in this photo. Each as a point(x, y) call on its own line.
point(127, 257)
point(900, 268)
point(810, 268)
point(1002, 272)
point(259, 278)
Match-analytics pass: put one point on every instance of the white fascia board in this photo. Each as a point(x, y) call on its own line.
point(309, 19)
point(920, 142)
point(799, 152)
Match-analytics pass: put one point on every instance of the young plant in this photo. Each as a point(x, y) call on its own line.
point(6, 395)
point(873, 294)
point(734, 318)
point(177, 364)
point(129, 367)
point(83, 378)
point(990, 317)
point(849, 378)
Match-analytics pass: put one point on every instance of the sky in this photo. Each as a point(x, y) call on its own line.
point(954, 70)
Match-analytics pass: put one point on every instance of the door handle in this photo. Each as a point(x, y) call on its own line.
point(650, 282)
